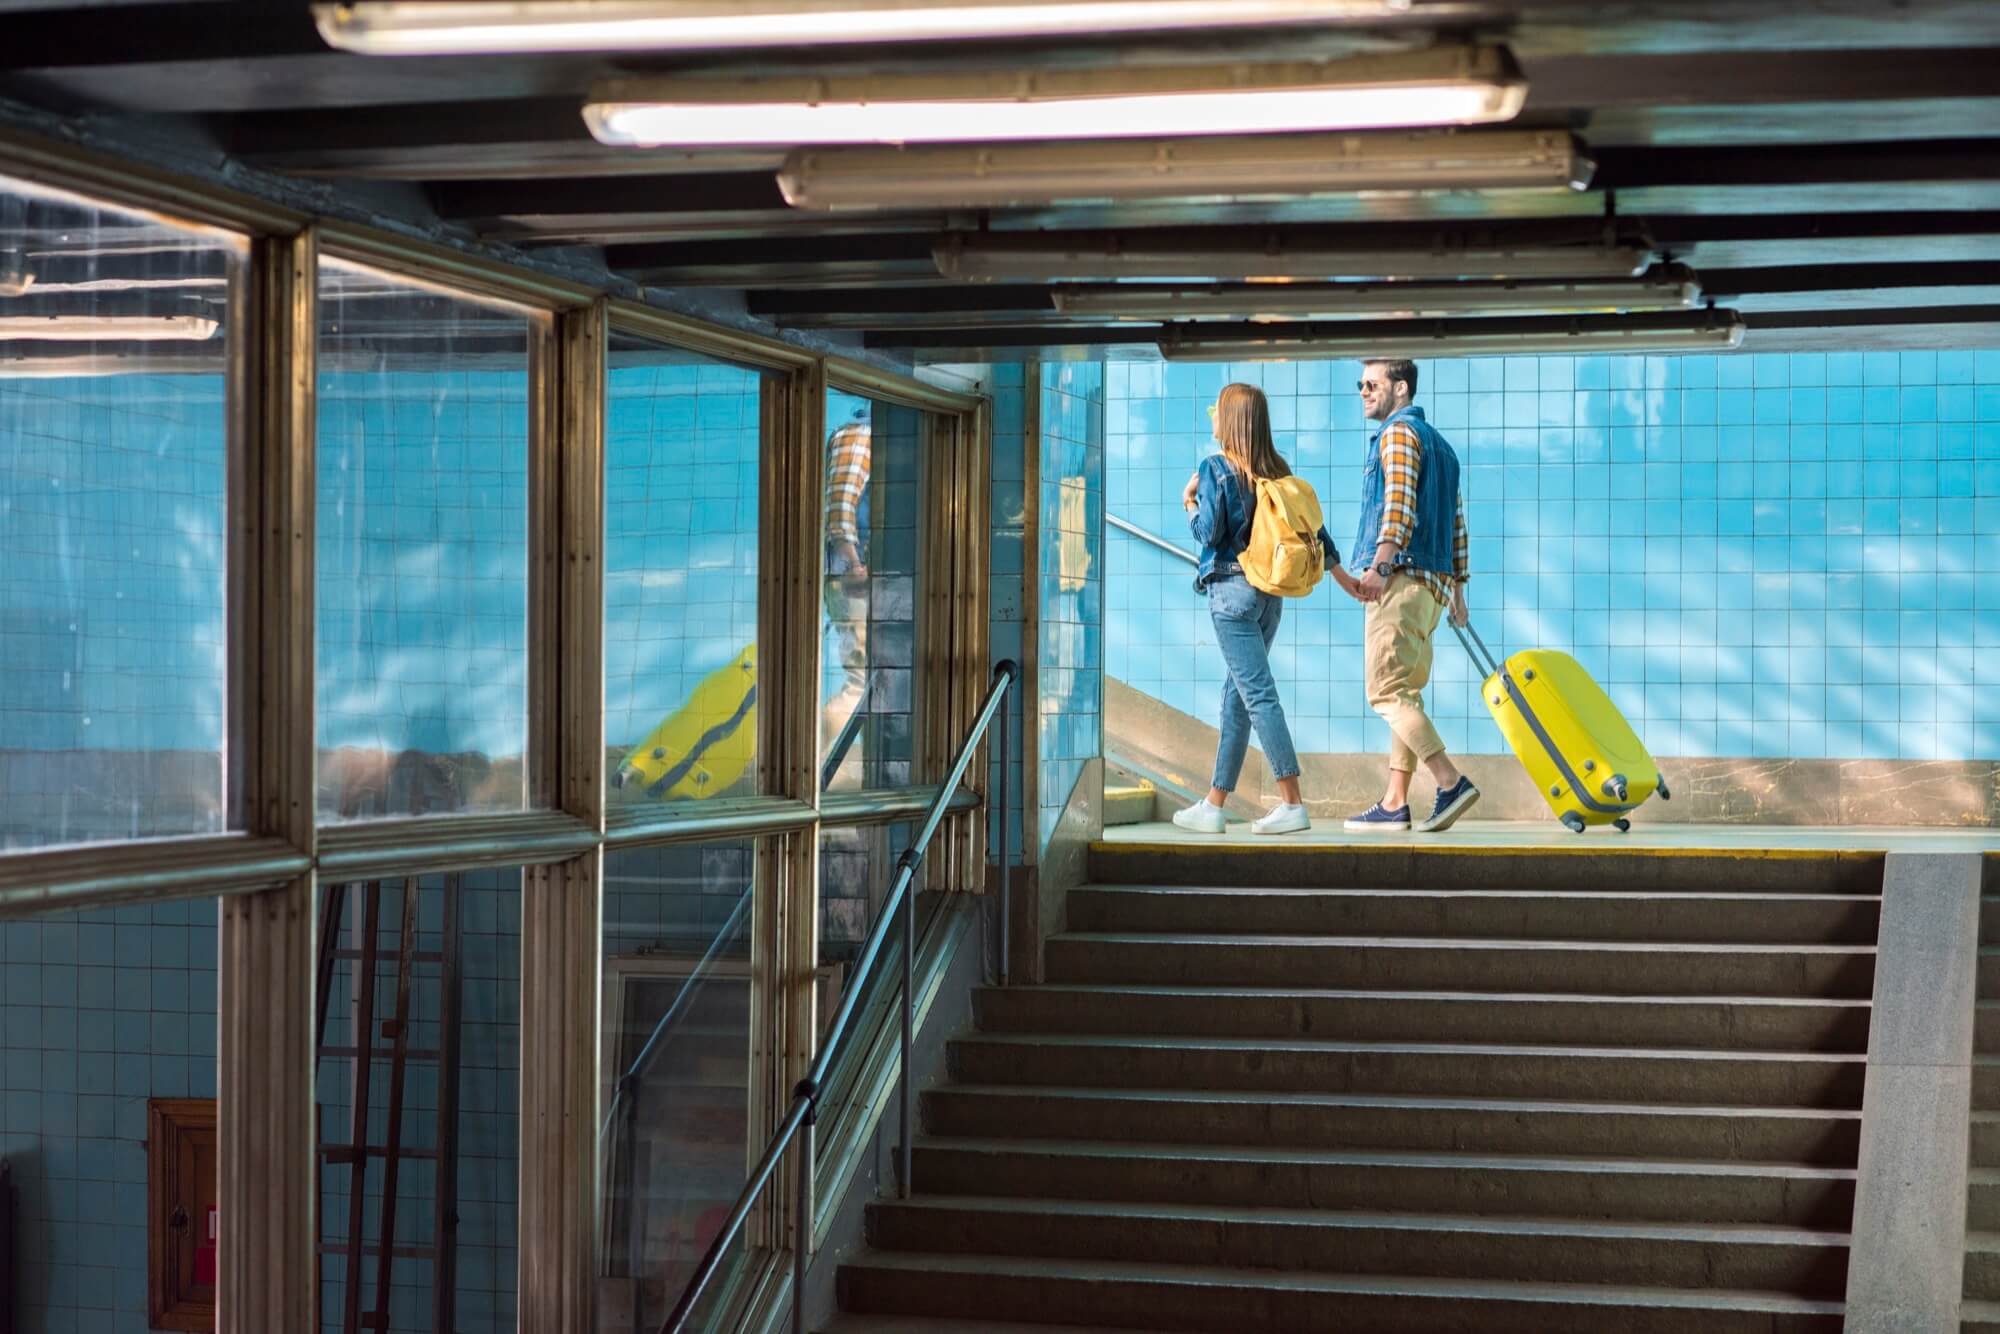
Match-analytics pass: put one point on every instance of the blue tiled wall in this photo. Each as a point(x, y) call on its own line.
point(111, 624)
point(103, 1010)
point(1071, 581)
point(423, 561)
point(1762, 555)
point(680, 556)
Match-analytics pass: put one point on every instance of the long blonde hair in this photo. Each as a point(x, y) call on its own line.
point(1243, 426)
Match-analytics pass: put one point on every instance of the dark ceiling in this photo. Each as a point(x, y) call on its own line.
point(1830, 167)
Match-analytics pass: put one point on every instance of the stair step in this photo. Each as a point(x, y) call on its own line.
point(1450, 1183)
point(1537, 1250)
point(1982, 1213)
point(1979, 1318)
point(1363, 1121)
point(1986, 1083)
point(1982, 1265)
point(1446, 964)
point(1493, 914)
point(1127, 805)
point(1171, 1297)
point(1813, 1079)
point(1727, 1022)
point(1606, 867)
point(1985, 1139)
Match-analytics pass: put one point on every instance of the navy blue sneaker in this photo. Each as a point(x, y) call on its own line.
point(1452, 802)
point(1375, 820)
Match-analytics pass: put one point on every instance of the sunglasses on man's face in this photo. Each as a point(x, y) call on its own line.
point(1367, 386)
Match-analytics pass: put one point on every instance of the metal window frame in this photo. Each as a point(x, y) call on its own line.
point(267, 868)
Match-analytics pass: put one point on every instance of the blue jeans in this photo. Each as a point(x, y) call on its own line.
point(1246, 621)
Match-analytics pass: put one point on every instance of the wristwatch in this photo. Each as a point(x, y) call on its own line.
point(1383, 569)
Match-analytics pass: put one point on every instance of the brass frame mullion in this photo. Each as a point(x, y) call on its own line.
point(102, 875)
point(785, 909)
point(867, 381)
point(1031, 616)
point(562, 903)
point(713, 340)
point(130, 184)
point(265, 980)
point(459, 271)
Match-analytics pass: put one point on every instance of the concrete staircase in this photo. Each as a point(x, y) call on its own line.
point(1981, 1312)
point(1402, 1092)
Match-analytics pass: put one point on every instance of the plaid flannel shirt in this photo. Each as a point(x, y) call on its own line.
point(847, 462)
point(1402, 460)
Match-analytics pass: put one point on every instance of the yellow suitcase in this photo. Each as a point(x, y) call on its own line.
point(1585, 758)
point(703, 748)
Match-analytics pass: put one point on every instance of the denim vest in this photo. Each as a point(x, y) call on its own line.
point(1432, 544)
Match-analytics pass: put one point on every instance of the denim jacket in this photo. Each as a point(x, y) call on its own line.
point(1221, 520)
point(1432, 544)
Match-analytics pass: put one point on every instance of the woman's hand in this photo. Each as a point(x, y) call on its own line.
point(1191, 490)
point(1348, 584)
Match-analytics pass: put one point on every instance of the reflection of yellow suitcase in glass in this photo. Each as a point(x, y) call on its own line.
point(703, 748)
point(1589, 764)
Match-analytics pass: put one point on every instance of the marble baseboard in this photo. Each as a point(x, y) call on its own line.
point(1179, 750)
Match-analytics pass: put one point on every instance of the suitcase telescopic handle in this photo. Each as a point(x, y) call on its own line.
point(1482, 656)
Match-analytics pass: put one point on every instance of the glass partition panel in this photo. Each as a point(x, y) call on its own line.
point(675, 1147)
point(869, 515)
point(856, 864)
point(684, 435)
point(110, 1050)
point(419, 1119)
point(114, 329)
point(423, 549)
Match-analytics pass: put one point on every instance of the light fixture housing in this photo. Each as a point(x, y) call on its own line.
point(106, 328)
point(1441, 85)
point(493, 27)
point(1277, 257)
point(1222, 166)
point(1663, 287)
point(1706, 331)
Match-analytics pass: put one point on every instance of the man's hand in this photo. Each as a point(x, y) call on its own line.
point(1368, 588)
point(1460, 615)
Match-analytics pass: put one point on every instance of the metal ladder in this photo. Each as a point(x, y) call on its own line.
point(367, 959)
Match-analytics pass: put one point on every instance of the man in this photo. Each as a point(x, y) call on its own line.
point(849, 457)
point(1412, 536)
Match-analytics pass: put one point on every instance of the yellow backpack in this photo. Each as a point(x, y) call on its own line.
point(1284, 556)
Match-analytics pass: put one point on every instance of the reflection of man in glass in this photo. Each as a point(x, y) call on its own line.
point(848, 458)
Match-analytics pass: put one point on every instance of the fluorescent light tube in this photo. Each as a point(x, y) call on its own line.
point(1672, 287)
point(1709, 331)
point(1026, 257)
point(1004, 175)
point(489, 27)
point(105, 328)
point(1447, 85)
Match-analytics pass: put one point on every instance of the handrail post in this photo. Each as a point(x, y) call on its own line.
point(1006, 852)
point(802, 1223)
point(906, 870)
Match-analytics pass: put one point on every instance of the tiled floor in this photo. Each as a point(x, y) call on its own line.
point(1660, 838)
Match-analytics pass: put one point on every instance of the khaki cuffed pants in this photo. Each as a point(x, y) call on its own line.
point(1396, 643)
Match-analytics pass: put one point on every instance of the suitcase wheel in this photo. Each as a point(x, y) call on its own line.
point(1574, 821)
point(1623, 826)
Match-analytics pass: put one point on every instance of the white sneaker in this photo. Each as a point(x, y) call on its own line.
point(1282, 819)
point(1202, 818)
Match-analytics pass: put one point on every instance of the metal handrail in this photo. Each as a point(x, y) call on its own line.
point(1152, 539)
point(803, 1113)
point(836, 754)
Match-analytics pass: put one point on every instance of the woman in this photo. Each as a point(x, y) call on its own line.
point(1221, 499)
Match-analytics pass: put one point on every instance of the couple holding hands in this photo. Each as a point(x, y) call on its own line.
point(1412, 534)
